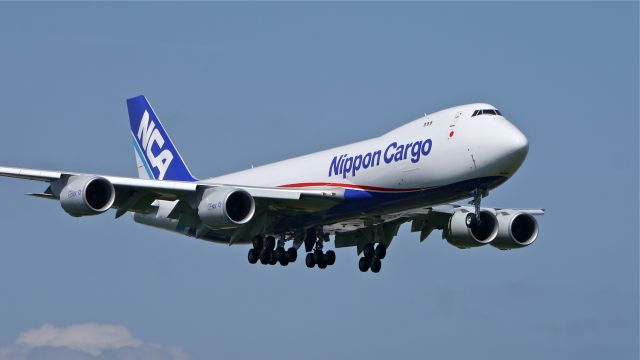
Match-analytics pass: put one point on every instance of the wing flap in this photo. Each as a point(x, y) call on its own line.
point(43, 196)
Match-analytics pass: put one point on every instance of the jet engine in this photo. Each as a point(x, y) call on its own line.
point(516, 230)
point(87, 195)
point(462, 236)
point(226, 207)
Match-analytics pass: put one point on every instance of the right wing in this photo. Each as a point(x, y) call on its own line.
point(367, 228)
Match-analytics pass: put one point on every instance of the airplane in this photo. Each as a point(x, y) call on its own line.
point(359, 194)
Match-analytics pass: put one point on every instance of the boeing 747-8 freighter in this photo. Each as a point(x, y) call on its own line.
point(359, 193)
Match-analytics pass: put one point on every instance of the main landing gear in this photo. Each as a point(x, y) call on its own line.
point(265, 251)
point(372, 258)
point(318, 257)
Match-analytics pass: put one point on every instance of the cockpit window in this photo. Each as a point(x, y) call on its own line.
point(486, 112)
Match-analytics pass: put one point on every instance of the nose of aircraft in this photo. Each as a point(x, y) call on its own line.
point(514, 146)
point(517, 143)
point(499, 148)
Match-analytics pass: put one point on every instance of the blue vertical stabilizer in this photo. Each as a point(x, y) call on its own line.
point(156, 156)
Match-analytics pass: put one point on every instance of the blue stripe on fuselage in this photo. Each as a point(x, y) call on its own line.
point(358, 202)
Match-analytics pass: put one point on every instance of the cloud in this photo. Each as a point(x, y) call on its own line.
point(90, 338)
point(86, 341)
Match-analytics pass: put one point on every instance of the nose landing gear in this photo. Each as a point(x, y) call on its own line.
point(473, 219)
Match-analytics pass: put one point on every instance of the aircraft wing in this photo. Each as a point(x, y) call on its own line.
point(383, 228)
point(133, 194)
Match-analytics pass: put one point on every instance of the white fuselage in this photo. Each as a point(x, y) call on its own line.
point(439, 158)
point(461, 148)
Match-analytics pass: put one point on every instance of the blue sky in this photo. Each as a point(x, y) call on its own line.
point(246, 84)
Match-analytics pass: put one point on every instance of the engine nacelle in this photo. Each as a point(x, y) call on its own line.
point(226, 207)
point(459, 235)
point(87, 195)
point(516, 230)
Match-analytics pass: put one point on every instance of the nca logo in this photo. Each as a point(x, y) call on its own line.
point(149, 135)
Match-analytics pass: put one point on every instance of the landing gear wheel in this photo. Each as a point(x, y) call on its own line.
point(284, 261)
point(381, 251)
point(253, 256)
point(369, 251)
point(270, 243)
point(265, 257)
point(281, 254)
point(273, 259)
point(330, 257)
point(258, 243)
point(376, 266)
point(310, 261)
point(363, 264)
point(319, 258)
point(471, 220)
point(292, 254)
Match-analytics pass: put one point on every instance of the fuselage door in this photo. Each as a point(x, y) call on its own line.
point(454, 121)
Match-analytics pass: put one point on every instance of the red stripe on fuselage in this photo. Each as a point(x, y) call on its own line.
point(348, 186)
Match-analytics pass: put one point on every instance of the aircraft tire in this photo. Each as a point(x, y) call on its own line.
point(363, 264)
point(376, 266)
point(310, 260)
point(381, 251)
point(330, 257)
point(270, 242)
point(265, 257)
point(471, 221)
point(274, 259)
point(369, 251)
point(292, 254)
point(320, 258)
point(253, 256)
point(258, 243)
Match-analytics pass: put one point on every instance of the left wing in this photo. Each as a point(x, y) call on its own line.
point(163, 175)
point(132, 194)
